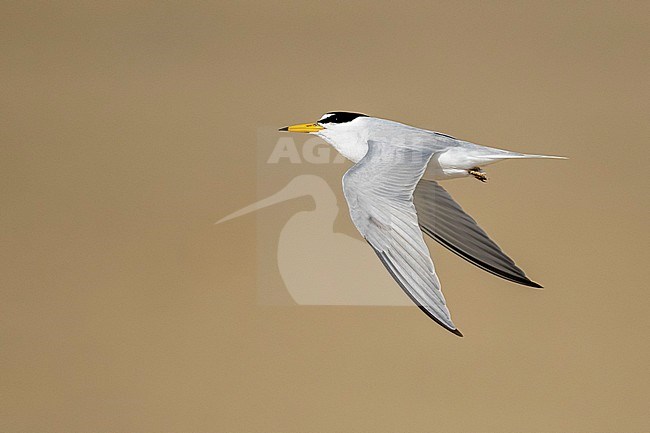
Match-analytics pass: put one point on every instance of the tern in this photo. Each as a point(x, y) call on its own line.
point(394, 197)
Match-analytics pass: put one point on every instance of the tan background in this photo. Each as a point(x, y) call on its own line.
point(128, 128)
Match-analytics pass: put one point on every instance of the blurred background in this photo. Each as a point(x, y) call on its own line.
point(129, 128)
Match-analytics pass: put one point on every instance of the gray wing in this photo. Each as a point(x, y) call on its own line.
point(445, 221)
point(379, 191)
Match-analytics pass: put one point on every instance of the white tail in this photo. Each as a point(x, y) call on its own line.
point(527, 155)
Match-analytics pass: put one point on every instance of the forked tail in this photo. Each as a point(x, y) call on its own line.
point(529, 155)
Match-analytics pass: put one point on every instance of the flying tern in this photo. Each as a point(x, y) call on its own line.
point(394, 196)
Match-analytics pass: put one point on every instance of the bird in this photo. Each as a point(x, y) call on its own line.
point(394, 197)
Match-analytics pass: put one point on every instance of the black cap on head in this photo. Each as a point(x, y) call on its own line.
point(339, 117)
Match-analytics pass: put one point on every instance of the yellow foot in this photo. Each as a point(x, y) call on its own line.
point(478, 173)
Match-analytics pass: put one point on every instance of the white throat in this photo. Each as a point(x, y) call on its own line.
point(349, 140)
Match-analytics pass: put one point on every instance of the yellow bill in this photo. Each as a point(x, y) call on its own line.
point(303, 127)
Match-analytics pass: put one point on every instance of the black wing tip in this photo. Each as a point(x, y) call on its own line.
point(456, 332)
point(508, 272)
point(516, 277)
point(530, 283)
point(286, 128)
point(382, 258)
point(523, 280)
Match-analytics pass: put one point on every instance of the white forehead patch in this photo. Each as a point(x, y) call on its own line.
point(326, 116)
